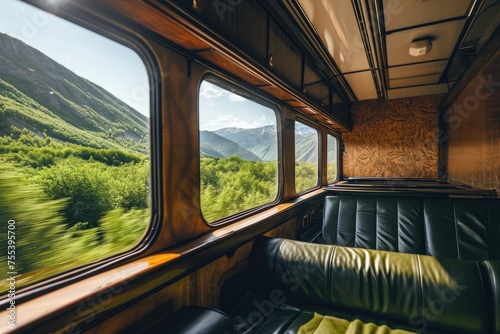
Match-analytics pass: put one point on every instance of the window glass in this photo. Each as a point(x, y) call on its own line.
point(332, 157)
point(238, 153)
point(74, 145)
point(306, 157)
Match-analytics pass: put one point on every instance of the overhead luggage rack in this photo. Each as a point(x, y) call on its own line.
point(410, 186)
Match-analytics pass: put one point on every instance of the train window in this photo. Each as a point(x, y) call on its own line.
point(238, 153)
point(332, 157)
point(74, 145)
point(306, 157)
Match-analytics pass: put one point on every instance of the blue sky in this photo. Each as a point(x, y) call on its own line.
point(111, 65)
point(220, 108)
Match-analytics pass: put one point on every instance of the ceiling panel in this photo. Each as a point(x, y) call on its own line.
point(416, 74)
point(415, 81)
point(401, 22)
point(417, 91)
point(443, 36)
point(335, 23)
point(400, 14)
point(362, 85)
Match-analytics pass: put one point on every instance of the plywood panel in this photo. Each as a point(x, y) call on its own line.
point(474, 130)
point(397, 138)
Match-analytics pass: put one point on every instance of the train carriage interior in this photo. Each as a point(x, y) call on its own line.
point(250, 166)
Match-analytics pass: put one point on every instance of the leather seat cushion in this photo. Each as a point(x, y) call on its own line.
point(442, 294)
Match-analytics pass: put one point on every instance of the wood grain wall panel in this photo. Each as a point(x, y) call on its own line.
point(201, 288)
point(396, 138)
point(162, 303)
point(286, 230)
point(212, 277)
point(474, 129)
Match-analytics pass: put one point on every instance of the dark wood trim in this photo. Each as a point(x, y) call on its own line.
point(476, 6)
point(488, 50)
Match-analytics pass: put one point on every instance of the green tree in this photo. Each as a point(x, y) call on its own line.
point(232, 185)
point(123, 229)
point(306, 176)
point(84, 185)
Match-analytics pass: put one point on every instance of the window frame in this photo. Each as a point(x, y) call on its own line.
point(320, 157)
point(115, 32)
point(253, 94)
point(338, 155)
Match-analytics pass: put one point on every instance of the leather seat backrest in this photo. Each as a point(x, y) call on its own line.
point(462, 228)
point(384, 223)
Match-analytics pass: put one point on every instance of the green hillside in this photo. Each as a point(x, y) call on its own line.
point(43, 96)
point(306, 148)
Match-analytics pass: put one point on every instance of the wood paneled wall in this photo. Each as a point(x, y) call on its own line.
point(201, 288)
point(474, 129)
point(396, 138)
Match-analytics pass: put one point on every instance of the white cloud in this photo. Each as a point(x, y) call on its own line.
point(228, 121)
point(208, 90)
point(236, 98)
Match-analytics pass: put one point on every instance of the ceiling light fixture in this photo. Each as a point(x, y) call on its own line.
point(420, 48)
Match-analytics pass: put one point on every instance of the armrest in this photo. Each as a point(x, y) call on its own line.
point(194, 319)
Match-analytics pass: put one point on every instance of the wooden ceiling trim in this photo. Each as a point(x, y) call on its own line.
point(191, 36)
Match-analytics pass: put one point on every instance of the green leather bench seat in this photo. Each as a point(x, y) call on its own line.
point(315, 288)
point(461, 228)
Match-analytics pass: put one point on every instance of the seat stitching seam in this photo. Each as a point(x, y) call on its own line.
point(356, 223)
point(376, 224)
point(338, 222)
point(456, 230)
point(420, 291)
point(275, 257)
point(398, 224)
point(424, 227)
point(482, 279)
point(329, 273)
point(488, 231)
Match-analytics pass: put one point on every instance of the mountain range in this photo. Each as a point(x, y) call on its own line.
point(256, 144)
point(43, 96)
